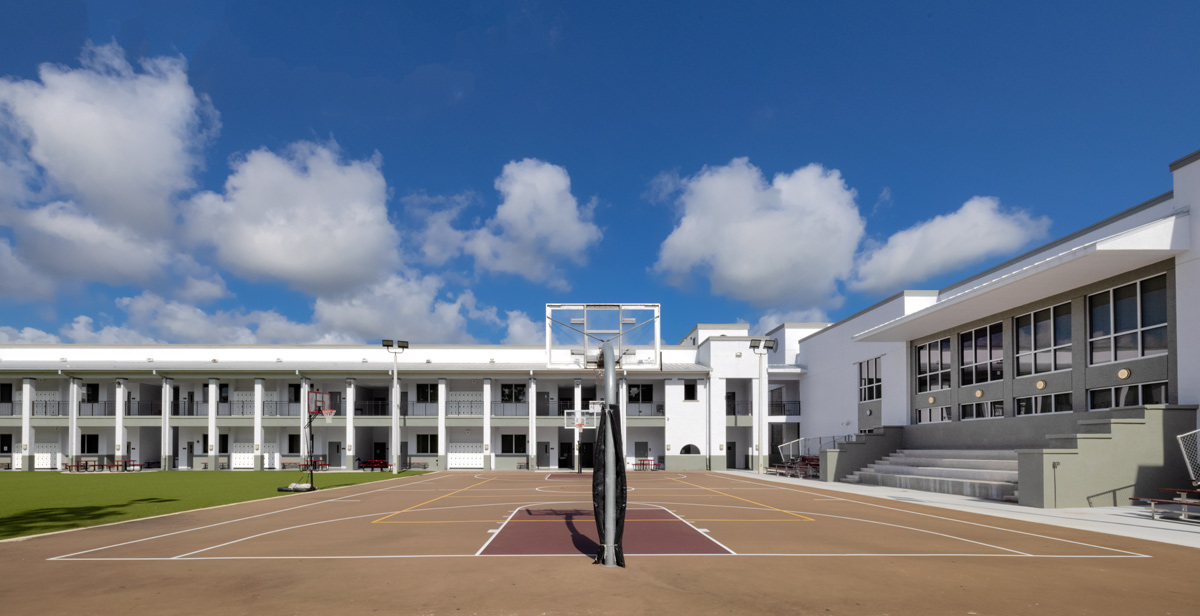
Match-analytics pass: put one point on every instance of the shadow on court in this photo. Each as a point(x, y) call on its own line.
point(52, 519)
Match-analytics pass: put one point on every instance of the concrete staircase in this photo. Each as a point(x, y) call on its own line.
point(988, 473)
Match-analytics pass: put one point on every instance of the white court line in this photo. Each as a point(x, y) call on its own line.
point(938, 517)
point(188, 530)
point(633, 556)
point(693, 527)
point(497, 533)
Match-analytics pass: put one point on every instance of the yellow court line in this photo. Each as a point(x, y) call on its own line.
point(432, 500)
point(745, 500)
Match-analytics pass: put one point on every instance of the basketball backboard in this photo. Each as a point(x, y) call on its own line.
point(575, 333)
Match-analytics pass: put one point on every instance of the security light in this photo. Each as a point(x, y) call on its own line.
point(755, 342)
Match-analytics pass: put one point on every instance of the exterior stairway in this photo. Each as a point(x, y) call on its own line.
point(990, 474)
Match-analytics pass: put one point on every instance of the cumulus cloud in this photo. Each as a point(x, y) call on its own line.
point(773, 319)
point(119, 141)
point(150, 316)
point(404, 307)
point(82, 330)
point(66, 242)
point(18, 280)
point(523, 330)
point(538, 224)
point(979, 229)
point(304, 217)
point(27, 335)
point(786, 242)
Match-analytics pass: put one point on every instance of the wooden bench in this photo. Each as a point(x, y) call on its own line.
point(411, 465)
point(1158, 507)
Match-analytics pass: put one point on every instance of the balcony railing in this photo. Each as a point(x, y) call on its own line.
point(8, 409)
point(422, 409)
point(464, 408)
point(281, 409)
point(743, 408)
point(373, 408)
point(143, 408)
point(510, 409)
point(50, 408)
point(97, 409)
point(644, 409)
point(780, 409)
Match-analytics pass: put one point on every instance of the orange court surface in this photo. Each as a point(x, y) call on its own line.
point(521, 543)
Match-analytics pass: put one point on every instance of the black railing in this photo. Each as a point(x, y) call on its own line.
point(784, 408)
point(744, 408)
point(8, 409)
point(281, 409)
point(97, 409)
point(373, 408)
point(143, 408)
point(510, 409)
point(644, 409)
point(422, 409)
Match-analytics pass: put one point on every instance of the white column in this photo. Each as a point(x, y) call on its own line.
point(304, 418)
point(348, 458)
point(73, 421)
point(119, 392)
point(166, 444)
point(577, 406)
point(531, 439)
point(213, 396)
point(258, 429)
point(396, 435)
point(26, 424)
point(487, 424)
point(760, 413)
point(441, 448)
point(622, 400)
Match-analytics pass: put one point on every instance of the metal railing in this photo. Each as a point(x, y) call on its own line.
point(779, 409)
point(8, 409)
point(644, 409)
point(744, 408)
point(97, 409)
point(281, 409)
point(143, 408)
point(422, 409)
point(373, 408)
point(510, 409)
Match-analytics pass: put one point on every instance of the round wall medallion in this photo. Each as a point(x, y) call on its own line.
point(931, 400)
point(978, 393)
point(1124, 373)
point(1040, 385)
point(869, 413)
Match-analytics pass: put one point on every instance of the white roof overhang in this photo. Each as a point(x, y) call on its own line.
point(1074, 268)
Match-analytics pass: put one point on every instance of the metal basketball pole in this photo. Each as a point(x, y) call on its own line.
point(610, 459)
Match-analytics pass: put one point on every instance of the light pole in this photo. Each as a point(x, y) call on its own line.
point(399, 346)
point(760, 423)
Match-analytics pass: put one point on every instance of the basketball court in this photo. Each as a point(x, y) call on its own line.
point(516, 542)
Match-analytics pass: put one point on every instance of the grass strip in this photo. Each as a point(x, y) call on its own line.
point(43, 502)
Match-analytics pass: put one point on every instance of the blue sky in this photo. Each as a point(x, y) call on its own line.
point(280, 172)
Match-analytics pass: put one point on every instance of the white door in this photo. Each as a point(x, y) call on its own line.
point(241, 455)
point(45, 455)
point(464, 455)
point(270, 457)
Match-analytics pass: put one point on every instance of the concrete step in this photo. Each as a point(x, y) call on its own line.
point(944, 472)
point(993, 490)
point(993, 465)
point(962, 454)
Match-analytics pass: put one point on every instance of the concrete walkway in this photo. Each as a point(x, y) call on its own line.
point(1132, 522)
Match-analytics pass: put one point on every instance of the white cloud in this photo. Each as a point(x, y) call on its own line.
point(120, 141)
point(149, 315)
point(981, 228)
point(399, 307)
point(28, 335)
point(18, 280)
point(64, 241)
point(523, 330)
point(82, 331)
point(773, 319)
point(538, 224)
point(787, 242)
point(304, 217)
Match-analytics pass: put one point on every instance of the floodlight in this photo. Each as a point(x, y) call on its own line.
point(755, 342)
point(769, 344)
point(387, 344)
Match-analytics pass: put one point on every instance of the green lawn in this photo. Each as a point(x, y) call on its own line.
point(42, 502)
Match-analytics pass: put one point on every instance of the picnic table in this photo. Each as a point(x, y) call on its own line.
point(382, 465)
point(644, 464)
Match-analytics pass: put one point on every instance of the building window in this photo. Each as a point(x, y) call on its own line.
point(6, 443)
point(512, 443)
point(89, 443)
point(223, 392)
point(936, 414)
point(427, 392)
point(293, 392)
point(1047, 403)
point(512, 392)
point(641, 393)
point(1127, 395)
point(870, 384)
point(1043, 340)
point(91, 392)
point(293, 444)
point(689, 450)
point(933, 365)
point(689, 390)
point(6, 393)
point(982, 410)
point(982, 355)
point(427, 443)
point(223, 443)
point(1128, 322)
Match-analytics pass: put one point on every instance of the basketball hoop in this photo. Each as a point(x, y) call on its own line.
point(328, 413)
point(319, 403)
